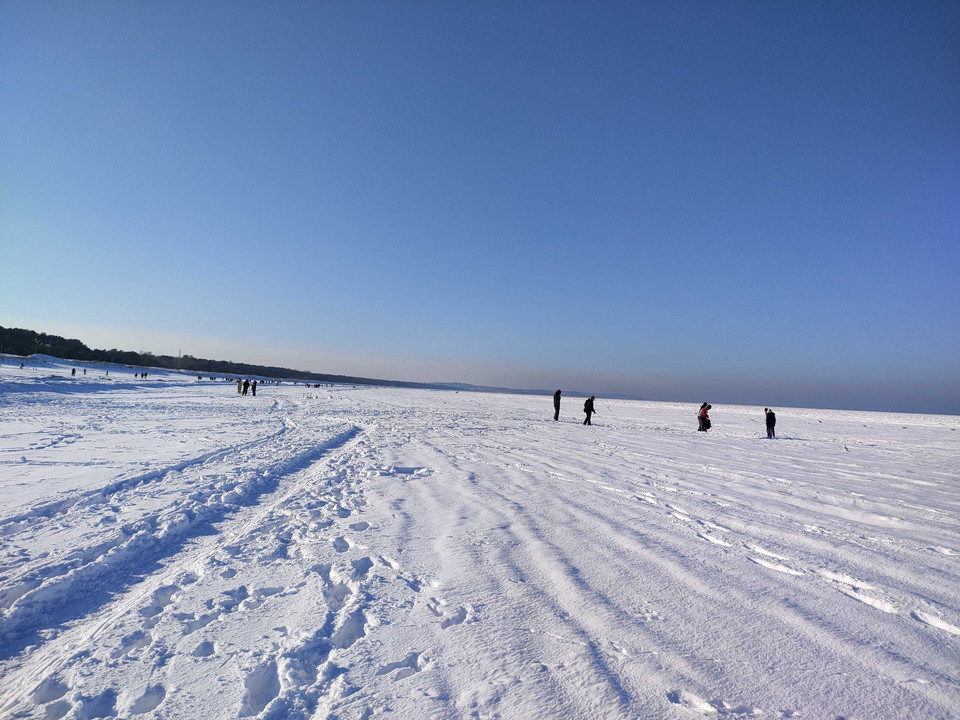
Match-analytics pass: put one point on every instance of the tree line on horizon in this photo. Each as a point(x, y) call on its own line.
point(17, 341)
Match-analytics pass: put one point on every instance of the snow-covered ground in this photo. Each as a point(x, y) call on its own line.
point(169, 549)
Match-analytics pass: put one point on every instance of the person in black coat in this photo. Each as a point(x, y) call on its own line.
point(771, 423)
point(588, 409)
point(556, 405)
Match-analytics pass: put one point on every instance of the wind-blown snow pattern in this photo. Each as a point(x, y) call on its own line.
point(170, 549)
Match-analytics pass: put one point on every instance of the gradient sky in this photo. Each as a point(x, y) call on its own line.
point(738, 201)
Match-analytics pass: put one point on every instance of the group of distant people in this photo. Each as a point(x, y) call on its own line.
point(703, 415)
point(246, 385)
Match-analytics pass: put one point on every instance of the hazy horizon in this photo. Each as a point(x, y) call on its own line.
point(765, 393)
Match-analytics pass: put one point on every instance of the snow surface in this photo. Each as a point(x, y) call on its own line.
point(169, 549)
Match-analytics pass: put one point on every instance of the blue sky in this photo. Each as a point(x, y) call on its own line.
point(741, 202)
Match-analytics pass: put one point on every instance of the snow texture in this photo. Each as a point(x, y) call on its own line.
point(169, 549)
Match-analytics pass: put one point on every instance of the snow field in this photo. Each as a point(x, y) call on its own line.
point(172, 550)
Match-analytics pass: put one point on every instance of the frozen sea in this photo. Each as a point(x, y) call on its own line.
point(170, 549)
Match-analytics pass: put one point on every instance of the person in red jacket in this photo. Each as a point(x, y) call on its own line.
point(703, 419)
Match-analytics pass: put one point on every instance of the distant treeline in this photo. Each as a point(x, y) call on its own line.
point(16, 341)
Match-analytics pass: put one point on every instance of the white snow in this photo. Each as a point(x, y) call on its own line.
point(169, 549)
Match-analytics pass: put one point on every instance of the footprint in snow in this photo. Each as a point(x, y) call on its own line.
point(102, 705)
point(361, 567)
point(133, 642)
point(159, 599)
point(204, 649)
point(49, 690)
point(341, 545)
point(149, 701)
point(352, 629)
point(411, 664)
point(455, 618)
point(263, 685)
point(336, 596)
point(448, 619)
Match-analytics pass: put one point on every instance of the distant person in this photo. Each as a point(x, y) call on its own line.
point(246, 386)
point(771, 418)
point(588, 409)
point(239, 386)
point(556, 405)
point(73, 373)
point(703, 417)
point(253, 386)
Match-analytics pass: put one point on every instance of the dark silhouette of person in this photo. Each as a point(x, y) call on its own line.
point(556, 405)
point(771, 418)
point(703, 417)
point(73, 373)
point(253, 386)
point(588, 409)
point(700, 427)
point(246, 386)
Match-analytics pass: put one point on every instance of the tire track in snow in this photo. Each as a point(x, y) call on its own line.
point(49, 510)
point(81, 590)
point(286, 684)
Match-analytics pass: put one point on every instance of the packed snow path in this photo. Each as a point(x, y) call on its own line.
point(169, 549)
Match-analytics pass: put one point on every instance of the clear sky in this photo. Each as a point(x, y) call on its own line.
point(728, 201)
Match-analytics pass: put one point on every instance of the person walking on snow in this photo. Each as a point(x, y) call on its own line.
point(239, 386)
point(588, 409)
point(771, 418)
point(253, 386)
point(246, 386)
point(703, 418)
point(556, 405)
